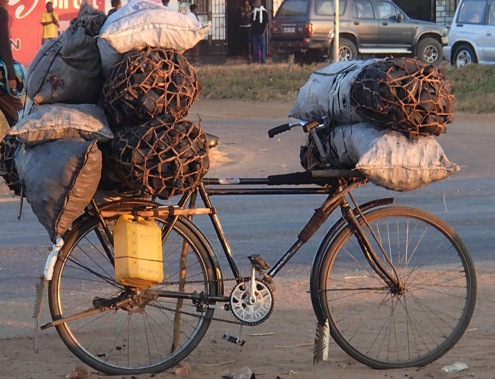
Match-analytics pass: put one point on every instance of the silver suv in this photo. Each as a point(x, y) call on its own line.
point(472, 34)
point(304, 28)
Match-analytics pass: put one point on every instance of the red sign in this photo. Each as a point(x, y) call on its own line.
point(25, 26)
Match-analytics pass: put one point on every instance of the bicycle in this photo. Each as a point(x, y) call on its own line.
point(394, 285)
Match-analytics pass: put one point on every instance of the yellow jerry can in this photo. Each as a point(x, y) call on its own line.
point(138, 251)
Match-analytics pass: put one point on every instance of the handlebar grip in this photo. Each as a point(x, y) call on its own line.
point(278, 129)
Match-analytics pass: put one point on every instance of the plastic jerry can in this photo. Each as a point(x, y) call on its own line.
point(138, 251)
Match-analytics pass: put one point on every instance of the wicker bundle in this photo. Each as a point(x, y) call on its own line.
point(8, 149)
point(405, 95)
point(149, 83)
point(159, 158)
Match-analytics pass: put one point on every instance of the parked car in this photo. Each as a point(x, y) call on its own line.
point(304, 28)
point(472, 34)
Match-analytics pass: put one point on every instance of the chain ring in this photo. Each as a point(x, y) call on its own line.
point(251, 313)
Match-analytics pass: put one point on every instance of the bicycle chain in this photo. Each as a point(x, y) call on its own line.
point(237, 322)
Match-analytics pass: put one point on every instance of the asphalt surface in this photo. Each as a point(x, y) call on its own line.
point(268, 225)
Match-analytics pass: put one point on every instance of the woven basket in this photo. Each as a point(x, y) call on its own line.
point(159, 158)
point(405, 95)
point(149, 83)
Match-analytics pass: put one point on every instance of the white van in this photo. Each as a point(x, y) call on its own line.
point(472, 34)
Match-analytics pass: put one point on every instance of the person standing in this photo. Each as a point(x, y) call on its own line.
point(116, 5)
point(49, 20)
point(193, 13)
point(245, 30)
point(258, 28)
point(9, 104)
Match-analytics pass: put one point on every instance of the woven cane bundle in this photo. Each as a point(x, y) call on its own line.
point(159, 158)
point(405, 95)
point(8, 149)
point(149, 83)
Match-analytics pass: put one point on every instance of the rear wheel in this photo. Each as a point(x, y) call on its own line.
point(409, 325)
point(148, 334)
point(347, 50)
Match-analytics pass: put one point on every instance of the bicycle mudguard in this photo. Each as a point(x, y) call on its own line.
point(314, 282)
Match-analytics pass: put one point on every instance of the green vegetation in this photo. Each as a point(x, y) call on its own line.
point(474, 86)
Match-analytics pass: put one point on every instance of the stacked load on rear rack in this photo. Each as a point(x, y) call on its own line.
point(380, 117)
point(108, 112)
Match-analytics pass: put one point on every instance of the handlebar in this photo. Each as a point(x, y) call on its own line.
point(307, 126)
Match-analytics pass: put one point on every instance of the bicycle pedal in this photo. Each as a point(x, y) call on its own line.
point(258, 262)
point(233, 339)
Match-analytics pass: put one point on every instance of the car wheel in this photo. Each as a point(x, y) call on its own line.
point(463, 56)
point(429, 51)
point(347, 50)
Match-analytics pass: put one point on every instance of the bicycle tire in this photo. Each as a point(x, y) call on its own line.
point(121, 342)
point(384, 330)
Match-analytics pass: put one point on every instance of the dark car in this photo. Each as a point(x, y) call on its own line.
point(304, 28)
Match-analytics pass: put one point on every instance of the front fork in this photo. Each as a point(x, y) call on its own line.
point(388, 275)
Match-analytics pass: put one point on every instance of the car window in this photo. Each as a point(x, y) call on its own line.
point(362, 9)
point(293, 8)
point(491, 15)
point(326, 7)
point(471, 12)
point(386, 10)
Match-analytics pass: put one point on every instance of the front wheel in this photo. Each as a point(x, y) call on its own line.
point(149, 333)
point(410, 325)
point(429, 51)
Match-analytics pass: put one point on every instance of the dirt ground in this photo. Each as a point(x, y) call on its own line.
point(282, 347)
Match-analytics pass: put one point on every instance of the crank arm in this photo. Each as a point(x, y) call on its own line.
point(86, 313)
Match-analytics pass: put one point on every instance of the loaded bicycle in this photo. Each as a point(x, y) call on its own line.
point(394, 285)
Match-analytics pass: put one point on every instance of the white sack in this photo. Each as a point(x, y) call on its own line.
point(49, 122)
point(327, 93)
point(145, 23)
point(388, 158)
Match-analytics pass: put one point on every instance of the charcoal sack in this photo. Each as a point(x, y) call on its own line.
point(9, 146)
point(385, 157)
point(145, 23)
point(59, 179)
point(327, 93)
point(49, 122)
point(158, 158)
point(66, 70)
point(147, 84)
point(405, 95)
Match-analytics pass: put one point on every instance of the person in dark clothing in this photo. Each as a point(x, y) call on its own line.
point(193, 14)
point(245, 29)
point(9, 104)
point(116, 5)
point(258, 28)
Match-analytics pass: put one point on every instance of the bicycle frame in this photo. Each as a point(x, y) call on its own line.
point(336, 184)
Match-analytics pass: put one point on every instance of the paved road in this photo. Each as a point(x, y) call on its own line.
point(268, 225)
